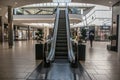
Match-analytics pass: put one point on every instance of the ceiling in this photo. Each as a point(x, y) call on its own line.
point(18, 3)
point(26, 2)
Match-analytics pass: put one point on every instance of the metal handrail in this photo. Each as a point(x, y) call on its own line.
point(71, 54)
point(51, 55)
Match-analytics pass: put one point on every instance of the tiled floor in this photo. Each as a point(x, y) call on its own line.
point(100, 63)
point(17, 63)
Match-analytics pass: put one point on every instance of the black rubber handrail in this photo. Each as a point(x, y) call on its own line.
point(71, 54)
point(51, 54)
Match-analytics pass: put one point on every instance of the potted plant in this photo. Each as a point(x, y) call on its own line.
point(81, 45)
point(39, 48)
point(39, 35)
point(83, 36)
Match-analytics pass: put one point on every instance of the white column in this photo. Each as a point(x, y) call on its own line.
point(28, 32)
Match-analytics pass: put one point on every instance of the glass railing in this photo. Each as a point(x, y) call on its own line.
point(75, 10)
point(43, 11)
point(99, 14)
point(34, 11)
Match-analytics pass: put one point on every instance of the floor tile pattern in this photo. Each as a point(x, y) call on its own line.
point(18, 63)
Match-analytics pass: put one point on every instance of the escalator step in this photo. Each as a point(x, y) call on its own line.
point(61, 45)
point(62, 37)
point(59, 50)
point(61, 41)
point(62, 30)
point(61, 34)
point(61, 57)
point(62, 52)
point(65, 54)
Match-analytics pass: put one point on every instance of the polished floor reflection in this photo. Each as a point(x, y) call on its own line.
point(19, 62)
point(100, 63)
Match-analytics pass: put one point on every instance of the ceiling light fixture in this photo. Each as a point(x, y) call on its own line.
point(110, 2)
point(16, 3)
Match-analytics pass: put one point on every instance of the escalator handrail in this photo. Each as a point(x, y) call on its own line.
point(51, 54)
point(71, 55)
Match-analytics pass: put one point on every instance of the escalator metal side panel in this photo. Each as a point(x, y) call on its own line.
point(60, 71)
point(40, 73)
point(80, 73)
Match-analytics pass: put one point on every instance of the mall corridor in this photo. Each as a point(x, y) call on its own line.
point(49, 39)
point(18, 63)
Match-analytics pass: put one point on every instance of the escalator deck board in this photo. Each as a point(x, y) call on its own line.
point(39, 73)
point(59, 68)
point(60, 71)
point(80, 73)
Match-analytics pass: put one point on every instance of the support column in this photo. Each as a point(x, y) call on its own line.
point(15, 33)
point(28, 32)
point(33, 35)
point(119, 38)
point(1, 30)
point(10, 26)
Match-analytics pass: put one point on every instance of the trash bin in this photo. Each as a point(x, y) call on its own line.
point(81, 51)
point(39, 51)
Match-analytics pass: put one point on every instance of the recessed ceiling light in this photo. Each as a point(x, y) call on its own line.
point(16, 3)
point(110, 2)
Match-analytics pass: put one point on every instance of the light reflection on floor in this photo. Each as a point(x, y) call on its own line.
point(100, 63)
point(19, 62)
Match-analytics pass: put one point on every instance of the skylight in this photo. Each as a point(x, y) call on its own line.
point(63, 4)
point(62, 1)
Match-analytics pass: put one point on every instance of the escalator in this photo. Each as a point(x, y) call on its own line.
point(61, 55)
point(61, 51)
point(60, 68)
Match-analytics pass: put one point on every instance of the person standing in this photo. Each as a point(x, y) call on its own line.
point(91, 38)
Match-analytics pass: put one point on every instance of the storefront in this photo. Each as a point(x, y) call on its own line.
point(102, 33)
